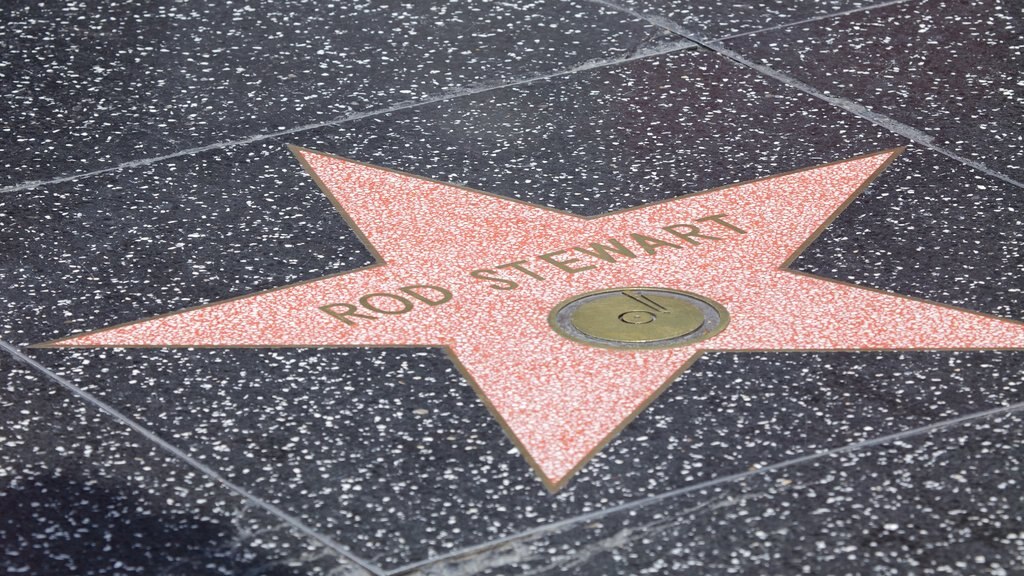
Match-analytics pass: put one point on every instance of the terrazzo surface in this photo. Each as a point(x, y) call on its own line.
point(948, 69)
point(718, 20)
point(388, 454)
point(81, 493)
point(947, 502)
point(91, 85)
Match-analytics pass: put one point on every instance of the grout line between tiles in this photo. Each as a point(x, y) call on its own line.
point(444, 96)
point(855, 108)
point(181, 455)
point(828, 16)
point(731, 478)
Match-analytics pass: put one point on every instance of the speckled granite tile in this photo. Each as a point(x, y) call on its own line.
point(949, 502)
point(711, 20)
point(950, 69)
point(81, 493)
point(94, 84)
point(389, 451)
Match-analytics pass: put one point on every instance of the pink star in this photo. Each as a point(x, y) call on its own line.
point(479, 274)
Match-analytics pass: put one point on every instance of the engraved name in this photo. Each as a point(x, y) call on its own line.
point(539, 268)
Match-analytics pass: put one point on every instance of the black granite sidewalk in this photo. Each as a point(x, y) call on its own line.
point(146, 170)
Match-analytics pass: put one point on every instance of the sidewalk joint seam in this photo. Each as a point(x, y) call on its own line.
point(817, 18)
point(444, 96)
point(727, 479)
point(182, 456)
point(857, 109)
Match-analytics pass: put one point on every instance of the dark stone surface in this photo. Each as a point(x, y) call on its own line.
point(949, 502)
point(388, 450)
point(950, 69)
point(93, 84)
point(81, 493)
point(710, 19)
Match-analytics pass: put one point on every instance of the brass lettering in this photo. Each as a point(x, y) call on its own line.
point(600, 251)
point(486, 274)
point(518, 265)
point(565, 264)
point(720, 219)
point(649, 244)
point(690, 236)
point(350, 310)
point(365, 301)
point(405, 299)
point(415, 289)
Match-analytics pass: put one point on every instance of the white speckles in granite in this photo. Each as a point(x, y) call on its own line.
point(717, 18)
point(949, 69)
point(82, 494)
point(948, 502)
point(89, 85)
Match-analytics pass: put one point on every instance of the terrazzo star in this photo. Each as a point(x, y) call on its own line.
point(565, 363)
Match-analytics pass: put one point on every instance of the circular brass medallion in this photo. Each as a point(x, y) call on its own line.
point(638, 318)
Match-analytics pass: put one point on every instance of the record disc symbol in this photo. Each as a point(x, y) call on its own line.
point(638, 318)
